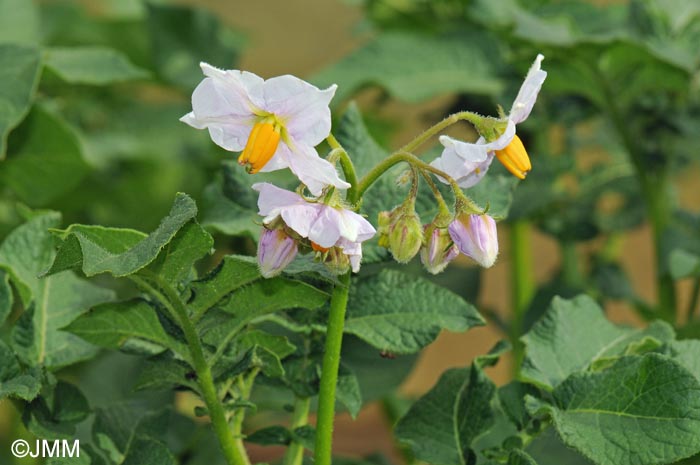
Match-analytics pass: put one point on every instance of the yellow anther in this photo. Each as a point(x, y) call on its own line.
point(514, 158)
point(261, 146)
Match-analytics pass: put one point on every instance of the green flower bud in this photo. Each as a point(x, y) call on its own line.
point(405, 235)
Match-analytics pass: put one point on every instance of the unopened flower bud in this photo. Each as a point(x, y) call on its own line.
point(439, 249)
point(405, 236)
point(476, 237)
point(384, 222)
point(336, 260)
point(276, 250)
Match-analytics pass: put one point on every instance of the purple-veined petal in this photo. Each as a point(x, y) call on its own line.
point(466, 162)
point(522, 106)
point(272, 198)
point(276, 250)
point(301, 107)
point(325, 230)
point(476, 237)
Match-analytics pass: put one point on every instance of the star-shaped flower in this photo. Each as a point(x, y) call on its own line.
point(274, 123)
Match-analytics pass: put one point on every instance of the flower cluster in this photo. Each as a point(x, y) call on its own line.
point(277, 123)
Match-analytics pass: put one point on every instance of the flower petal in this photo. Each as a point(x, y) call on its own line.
point(224, 103)
point(325, 230)
point(311, 169)
point(272, 199)
point(466, 162)
point(522, 106)
point(302, 107)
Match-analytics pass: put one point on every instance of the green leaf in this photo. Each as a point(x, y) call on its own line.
point(55, 413)
point(348, 390)
point(176, 259)
point(91, 65)
point(25, 250)
point(355, 138)
point(278, 345)
point(441, 426)
point(148, 451)
point(38, 337)
point(232, 273)
point(182, 37)
point(495, 193)
point(20, 68)
point(6, 298)
point(641, 410)
point(163, 372)
point(438, 65)
point(547, 449)
point(271, 436)
point(45, 159)
point(113, 325)
point(19, 24)
point(226, 216)
point(114, 250)
point(684, 264)
point(519, 457)
point(15, 382)
point(574, 333)
point(402, 314)
point(687, 353)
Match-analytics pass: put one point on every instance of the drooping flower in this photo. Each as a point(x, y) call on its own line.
point(468, 162)
point(439, 249)
point(476, 237)
point(334, 233)
point(274, 123)
point(276, 250)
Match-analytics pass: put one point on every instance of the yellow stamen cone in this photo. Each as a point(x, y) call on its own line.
point(262, 145)
point(514, 157)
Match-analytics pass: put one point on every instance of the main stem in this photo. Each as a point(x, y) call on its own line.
point(522, 283)
point(233, 449)
point(329, 372)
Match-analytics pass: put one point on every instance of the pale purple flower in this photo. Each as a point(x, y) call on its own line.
point(231, 103)
point(468, 162)
point(476, 237)
point(323, 225)
point(439, 249)
point(276, 250)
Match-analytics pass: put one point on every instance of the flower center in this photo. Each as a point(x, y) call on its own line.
point(514, 158)
point(261, 146)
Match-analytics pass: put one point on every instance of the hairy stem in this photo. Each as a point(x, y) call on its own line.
point(522, 283)
point(423, 137)
point(329, 372)
point(233, 449)
point(295, 453)
point(347, 166)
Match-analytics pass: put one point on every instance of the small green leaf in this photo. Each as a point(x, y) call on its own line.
point(271, 436)
point(55, 413)
point(402, 314)
point(519, 457)
point(20, 68)
point(163, 372)
point(640, 410)
point(176, 259)
point(573, 334)
point(438, 65)
point(232, 273)
point(91, 65)
point(148, 451)
point(278, 345)
point(15, 382)
point(348, 390)
point(44, 158)
point(441, 426)
point(687, 353)
point(105, 253)
point(112, 325)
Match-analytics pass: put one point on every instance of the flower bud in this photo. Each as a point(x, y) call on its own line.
point(439, 249)
point(476, 237)
point(384, 222)
point(336, 261)
point(276, 250)
point(405, 235)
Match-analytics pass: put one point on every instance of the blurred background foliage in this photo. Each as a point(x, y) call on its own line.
point(91, 93)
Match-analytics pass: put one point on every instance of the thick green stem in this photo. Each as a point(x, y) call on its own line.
point(522, 283)
point(231, 446)
point(295, 453)
point(329, 372)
